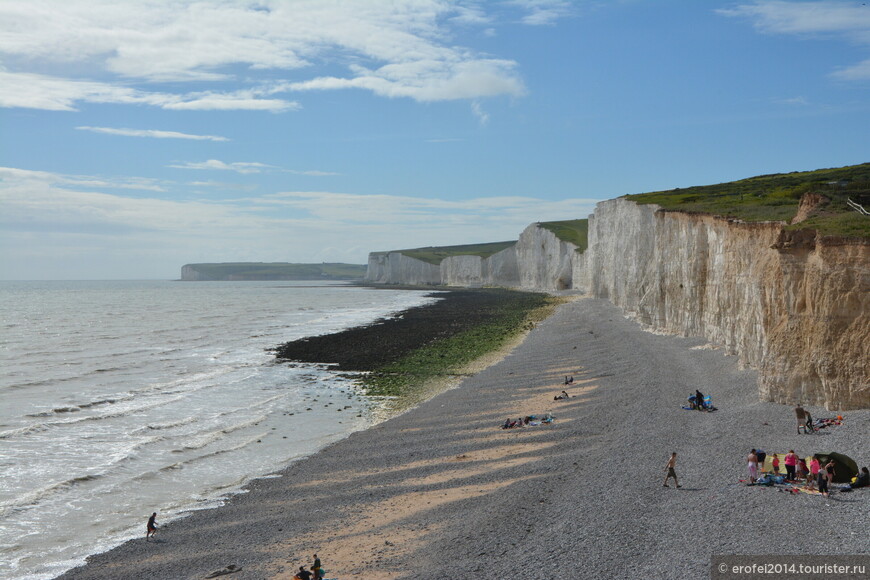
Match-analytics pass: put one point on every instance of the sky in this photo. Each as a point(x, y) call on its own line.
point(136, 137)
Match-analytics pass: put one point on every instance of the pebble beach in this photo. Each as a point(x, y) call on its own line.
point(441, 491)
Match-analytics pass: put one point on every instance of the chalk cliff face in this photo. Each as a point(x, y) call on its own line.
point(396, 268)
point(794, 306)
point(538, 261)
point(791, 304)
point(545, 262)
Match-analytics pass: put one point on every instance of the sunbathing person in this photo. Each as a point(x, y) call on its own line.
point(863, 479)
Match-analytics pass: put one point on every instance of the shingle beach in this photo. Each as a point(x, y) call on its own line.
point(442, 491)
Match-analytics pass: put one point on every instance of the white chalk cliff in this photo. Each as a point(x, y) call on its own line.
point(792, 304)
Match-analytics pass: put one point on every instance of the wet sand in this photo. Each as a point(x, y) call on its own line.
point(442, 491)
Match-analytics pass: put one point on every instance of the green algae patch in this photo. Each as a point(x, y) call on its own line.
point(445, 357)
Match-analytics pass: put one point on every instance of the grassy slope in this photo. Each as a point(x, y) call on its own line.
point(573, 231)
point(776, 198)
point(279, 270)
point(434, 255)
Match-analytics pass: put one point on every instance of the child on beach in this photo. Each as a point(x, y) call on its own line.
point(814, 473)
point(152, 526)
point(775, 464)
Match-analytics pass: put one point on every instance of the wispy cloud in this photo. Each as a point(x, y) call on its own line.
point(217, 165)
point(153, 133)
point(478, 111)
point(391, 49)
point(13, 175)
point(544, 12)
point(793, 101)
point(849, 21)
point(35, 91)
point(247, 167)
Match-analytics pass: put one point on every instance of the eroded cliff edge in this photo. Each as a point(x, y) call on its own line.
point(792, 304)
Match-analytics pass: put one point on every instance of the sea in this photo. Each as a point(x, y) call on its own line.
point(123, 398)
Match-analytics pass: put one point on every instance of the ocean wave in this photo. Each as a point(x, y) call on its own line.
point(218, 434)
point(23, 430)
point(252, 441)
point(33, 497)
point(169, 425)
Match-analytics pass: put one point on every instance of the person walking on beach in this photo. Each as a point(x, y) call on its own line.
point(752, 466)
point(152, 526)
point(669, 468)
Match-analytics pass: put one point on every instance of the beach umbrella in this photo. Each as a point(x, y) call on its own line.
point(845, 467)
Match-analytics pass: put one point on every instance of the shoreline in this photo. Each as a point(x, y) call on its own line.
point(441, 488)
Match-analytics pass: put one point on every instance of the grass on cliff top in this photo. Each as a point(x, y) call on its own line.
point(446, 357)
point(573, 231)
point(434, 255)
point(776, 198)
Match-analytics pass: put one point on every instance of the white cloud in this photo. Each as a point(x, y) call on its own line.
point(847, 20)
point(34, 91)
point(858, 72)
point(153, 133)
point(544, 12)
point(214, 164)
point(793, 101)
point(12, 175)
point(247, 167)
point(478, 111)
point(781, 17)
point(394, 49)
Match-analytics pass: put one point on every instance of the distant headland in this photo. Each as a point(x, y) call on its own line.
point(239, 271)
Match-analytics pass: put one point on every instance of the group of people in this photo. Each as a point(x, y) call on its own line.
point(316, 572)
point(796, 468)
point(526, 421)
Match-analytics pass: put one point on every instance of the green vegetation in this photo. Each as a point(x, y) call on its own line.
point(573, 231)
point(445, 357)
point(434, 255)
point(278, 271)
point(776, 198)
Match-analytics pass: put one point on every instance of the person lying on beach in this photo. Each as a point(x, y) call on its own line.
point(562, 397)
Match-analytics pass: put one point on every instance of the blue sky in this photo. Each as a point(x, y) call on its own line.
point(137, 137)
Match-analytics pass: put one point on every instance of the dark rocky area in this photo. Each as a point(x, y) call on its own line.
point(368, 348)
